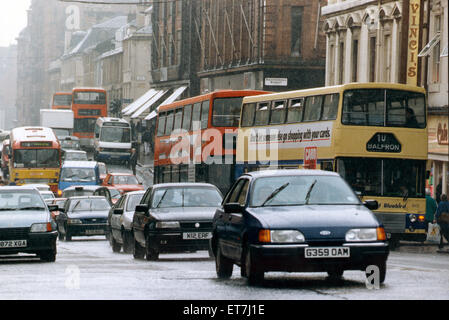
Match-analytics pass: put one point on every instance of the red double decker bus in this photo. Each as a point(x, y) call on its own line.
point(196, 138)
point(88, 104)
point(62, 100)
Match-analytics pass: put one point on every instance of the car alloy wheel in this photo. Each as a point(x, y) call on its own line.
point(223, 265)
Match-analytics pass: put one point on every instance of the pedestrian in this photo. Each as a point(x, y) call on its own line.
point(15, 182)
point(442, 218)
point(431, 208)
point(146, 141)
point(439, 190)
point(133, 160)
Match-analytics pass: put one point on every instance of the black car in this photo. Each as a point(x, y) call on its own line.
point(25, 223)
point(174, 218)
point(83, 216)
point(296, 221)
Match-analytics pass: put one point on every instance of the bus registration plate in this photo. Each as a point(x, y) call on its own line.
point(327, 252)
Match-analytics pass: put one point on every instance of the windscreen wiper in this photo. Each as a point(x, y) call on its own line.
point(162, 198)
point(310, 191)
point(275, 193)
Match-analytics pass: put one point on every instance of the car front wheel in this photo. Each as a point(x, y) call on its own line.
point(139, 252)
point(223, 265)
point(128, 241)
point(151, 253)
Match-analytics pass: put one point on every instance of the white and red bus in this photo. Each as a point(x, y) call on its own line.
point(196, 138)
point(62, 100)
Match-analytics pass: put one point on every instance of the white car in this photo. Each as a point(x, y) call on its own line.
point(39, 187)
point(48, 196)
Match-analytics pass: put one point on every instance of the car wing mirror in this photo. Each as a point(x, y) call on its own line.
point(142, 209)
point(232, 208)
point(118, 211)
point(371, 204)
point(53, 207)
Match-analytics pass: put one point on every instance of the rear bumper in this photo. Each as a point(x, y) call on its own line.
point(87, 229)
point(36, 242)
point(291, 258)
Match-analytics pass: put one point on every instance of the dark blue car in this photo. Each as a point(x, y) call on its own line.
point(296, 221)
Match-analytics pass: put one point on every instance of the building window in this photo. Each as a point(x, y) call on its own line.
point(296, 30)
point(332, 64)
point(387, 58)
point(354, 60)
point(341, 63)
point(372, 59)
point(436, 52)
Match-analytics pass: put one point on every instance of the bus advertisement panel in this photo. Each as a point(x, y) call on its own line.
point(373, 134)
point(196, 138)
point(35, 157)
point(88, 104)
point(62, 100)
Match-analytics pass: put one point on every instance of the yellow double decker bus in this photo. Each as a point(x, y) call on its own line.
point(373, 134)
point(34, 157)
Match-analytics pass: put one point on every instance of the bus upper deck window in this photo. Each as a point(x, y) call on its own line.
point(248, 112)
point(278, 112)
point(262, 113)
point(295, 110)
point(330, 107)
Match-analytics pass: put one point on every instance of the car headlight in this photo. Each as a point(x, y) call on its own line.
point(74, 221)
point(168, 225)
point(366, 234)
point(281, 236)
point(41, 227)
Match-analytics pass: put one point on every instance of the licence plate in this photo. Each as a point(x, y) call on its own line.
point(197, 235)
point(93, 232)
point(13, 244)
point(327, 252)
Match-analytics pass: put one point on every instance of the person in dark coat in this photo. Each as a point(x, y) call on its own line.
point(133, 160)
point(443, 206)
point(439, 190)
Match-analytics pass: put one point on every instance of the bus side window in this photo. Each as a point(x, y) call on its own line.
point(161, 124)
point(327, 166)
point(312, 111)
point(262, 114)
point(187, 118)
point(295, 110)
point(178, 119)
point(196, 116)
point(205, 114)
point(330, 107)
point(278, 112)
point(248, 112)
point(169, 122)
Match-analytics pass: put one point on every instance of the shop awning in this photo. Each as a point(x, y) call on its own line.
point(169, 100)
point(149, 103)
point(428, 48)
point(128, 110)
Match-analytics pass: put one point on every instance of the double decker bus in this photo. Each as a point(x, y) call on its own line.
point(88, 104)
point(62, 100)
point(373, 134)
point(195, 138)
point(34, 157)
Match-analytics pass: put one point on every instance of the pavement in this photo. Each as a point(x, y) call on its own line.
point(419, 247)
point(145, 166)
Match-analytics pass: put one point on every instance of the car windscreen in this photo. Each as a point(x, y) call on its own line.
point(133, 201)
point(78, 175)
point(89, 205)
point(48, 195)
point(75, 156)
point(301, 190)
point(186, 197)
point(125, 180)
point(116, 134)
point(16, 200)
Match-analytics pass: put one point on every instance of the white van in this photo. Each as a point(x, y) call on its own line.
point(112, 140)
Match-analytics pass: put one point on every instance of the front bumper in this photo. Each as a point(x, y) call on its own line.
point(166, 241)
point(291, 258)
point(36, 242)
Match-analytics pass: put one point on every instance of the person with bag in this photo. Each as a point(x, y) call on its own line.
point(431, 208)
point(442, 218)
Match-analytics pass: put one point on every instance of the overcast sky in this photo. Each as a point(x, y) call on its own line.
point(13, 18)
